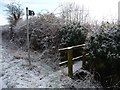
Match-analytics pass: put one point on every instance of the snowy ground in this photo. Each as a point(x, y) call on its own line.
point(2, 84)
point(15, 72)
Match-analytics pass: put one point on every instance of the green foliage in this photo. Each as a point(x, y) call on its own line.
point(72, 34)
point(43, 31)
point(104, 49)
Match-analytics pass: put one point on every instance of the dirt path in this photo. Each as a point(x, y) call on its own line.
point(17, 74)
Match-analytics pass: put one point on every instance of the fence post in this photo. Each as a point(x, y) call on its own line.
point(84, 59)
point(70, 66)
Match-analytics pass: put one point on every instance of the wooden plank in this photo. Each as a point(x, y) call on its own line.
point(74, 59)
point(77, 46)
point(63, 49)
point(62, 63)
point(72, 47)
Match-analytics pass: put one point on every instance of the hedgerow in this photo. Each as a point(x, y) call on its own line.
point(104, 51)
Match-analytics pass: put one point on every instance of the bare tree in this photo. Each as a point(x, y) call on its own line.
point(15, 13)
point(72, 12)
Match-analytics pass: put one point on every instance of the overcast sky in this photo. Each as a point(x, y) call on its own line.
point(98, 9)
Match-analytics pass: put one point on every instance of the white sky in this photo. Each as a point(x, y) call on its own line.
point(98, 9)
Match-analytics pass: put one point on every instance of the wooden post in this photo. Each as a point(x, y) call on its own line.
point(70, 66)
point(84, 59)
